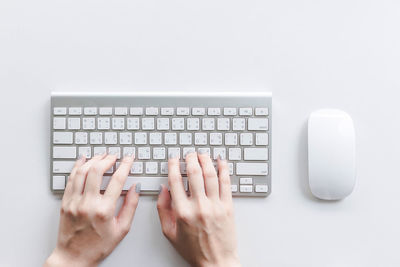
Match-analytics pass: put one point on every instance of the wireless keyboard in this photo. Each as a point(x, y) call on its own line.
point(155, 126)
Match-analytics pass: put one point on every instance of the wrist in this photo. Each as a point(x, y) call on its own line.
point(232, 261)
point(59, 259)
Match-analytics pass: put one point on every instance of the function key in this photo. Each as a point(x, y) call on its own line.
point(152, 111)
point(261, 188)
point(261, 111)
point(105, 111)
point(167, 111)
point(121, 111)
point(60, 111)
point(198, 111)
point(182, 111)
point(136, 111)
point(75, 111)
point(214, 111)
point(230, 111)
point(245, 111)
point(90, 111)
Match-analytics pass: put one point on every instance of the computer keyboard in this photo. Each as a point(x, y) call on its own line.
point(155, 126)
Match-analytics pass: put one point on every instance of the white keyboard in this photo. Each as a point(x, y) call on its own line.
point(156, 126)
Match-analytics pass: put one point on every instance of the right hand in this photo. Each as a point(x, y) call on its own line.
point(201, 226)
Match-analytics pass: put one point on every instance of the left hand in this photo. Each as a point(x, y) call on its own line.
point(89, 231)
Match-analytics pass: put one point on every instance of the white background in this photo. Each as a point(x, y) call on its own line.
point(311, 54)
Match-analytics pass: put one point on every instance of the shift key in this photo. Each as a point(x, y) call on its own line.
point(251, 168)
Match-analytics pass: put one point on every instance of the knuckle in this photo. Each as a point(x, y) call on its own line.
point(209, 172)
point(192, 169)
point(184, 216)
point(81, 171)
point(103, 213)
point(96, 169)
point(125, 229)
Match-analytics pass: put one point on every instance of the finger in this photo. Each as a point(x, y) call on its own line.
point(165, 213)
point(178, 193)
point(127, 212)
point(96, 172)
point(210, 176)
point(69, 187)
point(224, 181)
point(195, 175)
point(78, 182)
point(117, 181)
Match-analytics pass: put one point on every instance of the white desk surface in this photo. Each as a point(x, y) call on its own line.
point(310, 54)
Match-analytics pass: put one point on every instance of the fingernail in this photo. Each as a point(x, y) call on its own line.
point(137, 188)
point(172, 155)
point(160, 189)
point(221, 157)
point(201, 151)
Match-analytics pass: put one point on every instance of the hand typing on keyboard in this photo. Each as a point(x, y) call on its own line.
point(200, 226)
point(88, 230)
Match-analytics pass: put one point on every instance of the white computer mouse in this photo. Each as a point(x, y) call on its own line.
point(331, 154)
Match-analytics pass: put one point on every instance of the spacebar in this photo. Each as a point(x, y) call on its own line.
point(147, 183)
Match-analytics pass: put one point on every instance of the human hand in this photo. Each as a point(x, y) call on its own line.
point(200, 226)
point(89, 230)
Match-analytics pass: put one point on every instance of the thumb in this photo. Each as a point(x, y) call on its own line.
point(166, 214)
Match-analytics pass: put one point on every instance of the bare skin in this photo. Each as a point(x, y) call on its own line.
point(200, 226)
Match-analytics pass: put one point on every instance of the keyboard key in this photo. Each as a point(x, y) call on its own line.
point(238, 124)
point(151, 111)
point(261, 188)
point(62, 138)
point(216, 139)
point(245, 111)
point(64, 152)
point(132, 123)
point(261, 111)
point(63, 166)
point(230, 111)
point(198, 111)
point(251, 168)
point(261, 139)
point(105, 111)
point(140, 138)
point(85, 151)
point(137, 167)
point(96, 138)
point(178, 124)
point(170, 138)
point(115, 150)
point(148, 184)
point(164, 167)
point(118, 123)
point(174, 152)
point(74, 123)
point(246, 188)
point(235, 153)
point(90, 111)
point(204, 150)
point(193, 124)
point(121, 111)
point(214, 111)
point(143, 152)
point(246, 180)
point(219, 152)
point(208, 124)
point(59, 123)
point(200, 138)
point(147, 123)
point(88, 123)
point(187, 150)
point(155, 139)
point(75, 111)
point(185, 138)
point(182, 111)
point(99, 150)
point(255, 154)
point(125, 138)
point(58, 182)
point(103, 123)
point(136, 111)
point(110, 138)
point(167, 111)
point(255, 124)
point(151, 167)
point(128, 151)
point(158, 153)
point(234, 188)
point(223, 124)
point(81, 138)
point(231, 139)
point(246, 139)
point(60, 111)
point(162, 123)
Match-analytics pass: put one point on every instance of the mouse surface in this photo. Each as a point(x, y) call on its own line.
point(331, 154)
